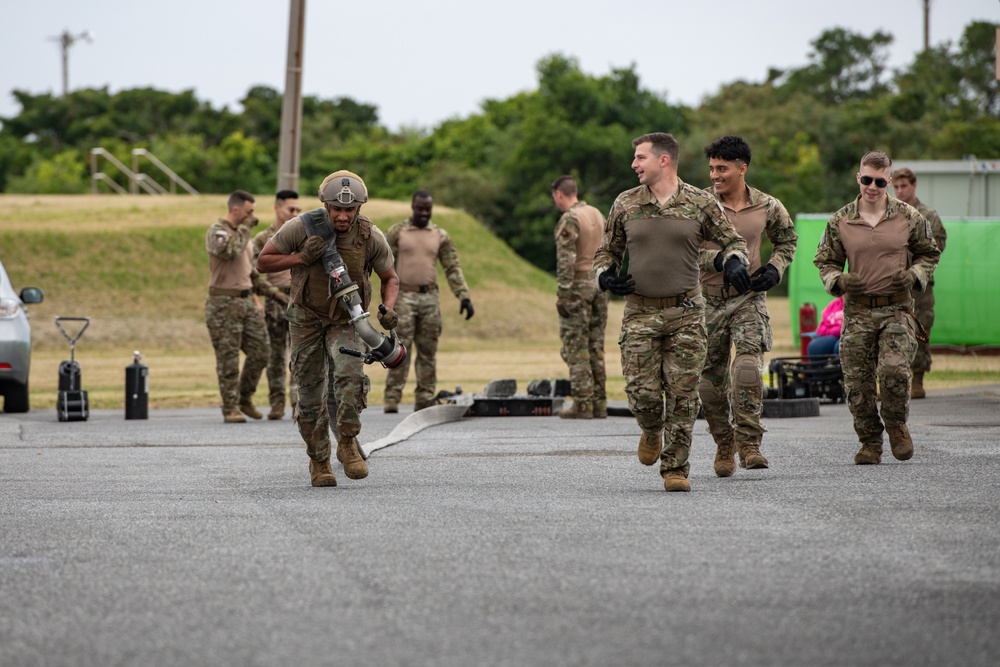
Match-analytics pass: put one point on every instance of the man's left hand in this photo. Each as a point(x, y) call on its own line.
point(902, 280)
point(387, 317)
point(764, 278)
point(466, 307)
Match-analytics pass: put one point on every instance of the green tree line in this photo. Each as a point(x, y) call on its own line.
point(807, 126)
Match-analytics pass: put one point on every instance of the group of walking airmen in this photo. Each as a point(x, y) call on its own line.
point(687, 262)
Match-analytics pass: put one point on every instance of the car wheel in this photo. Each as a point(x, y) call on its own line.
point(16, 398)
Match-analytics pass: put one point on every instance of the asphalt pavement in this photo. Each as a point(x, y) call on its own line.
point(180, 540)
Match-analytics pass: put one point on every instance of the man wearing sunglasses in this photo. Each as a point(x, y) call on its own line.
point(889, 249)
point(275, 288)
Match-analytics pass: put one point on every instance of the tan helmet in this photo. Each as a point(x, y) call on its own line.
point(343, 188)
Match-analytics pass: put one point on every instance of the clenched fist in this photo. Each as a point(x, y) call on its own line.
point(312, 251)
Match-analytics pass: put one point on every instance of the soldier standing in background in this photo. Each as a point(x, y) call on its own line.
point(582, 306)
point(275, 288)
point(889, 250)
point(319, 322)
point(662, 224)
point(418, 245)
point(904, 184)
point(732, 397)
point(232, 312)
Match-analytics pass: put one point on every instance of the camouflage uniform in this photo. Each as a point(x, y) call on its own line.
point(419, 312)
point(277, 331)
point(732, 389)
point(663, 338)
point(329, 381)
point(233, 321)
point(923, 302)
point(879, 338)
point(583, 310)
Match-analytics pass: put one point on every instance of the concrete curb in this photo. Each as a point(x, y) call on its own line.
point(414, 423)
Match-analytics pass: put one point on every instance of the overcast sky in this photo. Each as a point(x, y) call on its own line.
point(423, 62)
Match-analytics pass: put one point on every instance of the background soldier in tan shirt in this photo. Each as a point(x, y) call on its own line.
point(418, 245)
point(889, 250)
point(582, 306)
point(904, 184)
point(232, 312)
point(275, 287)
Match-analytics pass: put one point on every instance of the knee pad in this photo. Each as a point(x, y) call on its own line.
point(709, 393)
point(746, 371)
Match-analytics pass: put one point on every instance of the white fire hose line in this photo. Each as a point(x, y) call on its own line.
point(416, 422)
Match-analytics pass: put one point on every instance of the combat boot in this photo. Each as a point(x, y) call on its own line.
point(868, 455)
point(725, 465)
point(917, 388)
point(752, 459)
point(899, 441)
point(321, 473)
point(650, 445)
point(233, 416)
point(675, 480)
point(390, 408)
point(277, 412)
point(349, 457)
point(600, 409)
point(579, 410)
point(250, 411)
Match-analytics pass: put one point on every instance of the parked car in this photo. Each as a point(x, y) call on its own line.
point(15, 343)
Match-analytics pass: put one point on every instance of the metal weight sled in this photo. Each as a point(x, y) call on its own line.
point(818, 376)
point(72, 403)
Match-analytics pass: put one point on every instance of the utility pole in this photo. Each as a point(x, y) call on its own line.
point(66, 40)
point(927, 24)
point(291, 108)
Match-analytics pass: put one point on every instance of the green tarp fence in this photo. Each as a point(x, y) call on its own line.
point(966, 282)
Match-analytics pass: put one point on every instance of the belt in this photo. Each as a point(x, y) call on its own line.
point(880, 300)
point(718, 292)
point(663, 301)
point(582, 275)
point(423, 289)
point(218, 291)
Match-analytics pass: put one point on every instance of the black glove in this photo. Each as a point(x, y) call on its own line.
point(737, 275)
point(718, 262)
point(620, 285)
point(764, 278)
point(466, 307)
point(312, 251)
point(850, 283)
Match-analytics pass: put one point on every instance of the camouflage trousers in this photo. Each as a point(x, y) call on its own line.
point(732, 388)
point(277, 363)
point(663, 352)
point(235, 324)
point(583, 317)
point(923, 305)
point(330, 383)
point(877, 343)
point(419, 330)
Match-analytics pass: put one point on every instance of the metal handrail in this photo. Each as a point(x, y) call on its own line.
point(175, 180)
point(136, 179)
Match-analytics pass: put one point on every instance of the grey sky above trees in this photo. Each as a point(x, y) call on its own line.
point(420, 63)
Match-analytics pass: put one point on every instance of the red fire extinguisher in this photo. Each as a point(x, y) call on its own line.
point(807, 325)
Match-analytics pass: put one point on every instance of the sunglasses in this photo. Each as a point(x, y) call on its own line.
point(879, 182)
